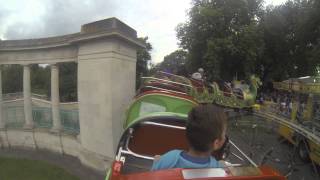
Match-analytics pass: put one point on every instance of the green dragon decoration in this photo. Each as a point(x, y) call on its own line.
point(240, 96)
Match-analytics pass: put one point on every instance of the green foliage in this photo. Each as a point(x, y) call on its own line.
point(143, 57)
point(17, 169)
point(68, 82)
point(12, 78)
point(40, 80)
point(223, 37)
point(291, 36)
point(240, 37)
point(174, 63)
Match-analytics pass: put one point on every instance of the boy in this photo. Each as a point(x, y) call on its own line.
point(205, 132)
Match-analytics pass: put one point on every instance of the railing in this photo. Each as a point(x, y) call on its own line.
point(14, 116)
point(42, 118)
point(70, 120)
point(308, 129)
point(19, 95)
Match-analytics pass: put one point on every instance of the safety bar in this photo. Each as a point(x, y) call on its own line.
point(243, 154)
point(135, 154)
point(128, 151)
point(164, 125)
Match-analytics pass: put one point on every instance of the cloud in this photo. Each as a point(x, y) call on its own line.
point(59, 17)
point(43, 18)
point(3, 13)
point(157, 20)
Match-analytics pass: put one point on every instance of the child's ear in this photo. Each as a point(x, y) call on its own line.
point(216, 144)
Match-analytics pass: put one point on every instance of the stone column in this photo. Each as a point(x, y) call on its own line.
point(106, 85)
point(55, 98)
point(27, 97)
point(2, 122)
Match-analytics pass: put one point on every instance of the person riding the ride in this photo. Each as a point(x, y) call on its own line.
point(198, 75)
point(205, 133)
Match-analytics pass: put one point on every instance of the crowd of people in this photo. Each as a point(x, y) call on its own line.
point(282, 102)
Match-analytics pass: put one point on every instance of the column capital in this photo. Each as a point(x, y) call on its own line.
point(54, 66)
point(25, 65)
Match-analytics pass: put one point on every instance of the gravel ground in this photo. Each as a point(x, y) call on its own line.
point(69, 163)
point(258, 138)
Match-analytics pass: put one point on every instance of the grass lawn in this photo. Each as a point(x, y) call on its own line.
point(25, 169)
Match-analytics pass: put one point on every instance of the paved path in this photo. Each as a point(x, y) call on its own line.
point(69, 163)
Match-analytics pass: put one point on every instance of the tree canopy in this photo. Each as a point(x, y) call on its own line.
point(230, 38)
point(174, 63)
point(12, 80)
point(143, 58)
point(227, 38)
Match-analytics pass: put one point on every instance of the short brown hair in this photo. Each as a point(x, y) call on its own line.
point(205, 124)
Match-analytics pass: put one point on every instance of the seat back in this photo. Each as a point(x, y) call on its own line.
point(156, 139)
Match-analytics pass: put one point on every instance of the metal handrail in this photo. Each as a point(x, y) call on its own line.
point(297, 128)
point(243, 154)
point(164, 125)
point(128, 151)
point(174, 75)
point(171, 74)
point(165, 80)
point(135, 154)
point(166, 90)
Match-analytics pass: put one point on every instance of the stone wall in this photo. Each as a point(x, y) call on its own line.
point(41, 139)
point(106, 55)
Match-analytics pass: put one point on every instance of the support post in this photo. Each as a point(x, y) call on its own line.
point(106, 85)
point(55, 98)
point(2, 122)
point(27, 97)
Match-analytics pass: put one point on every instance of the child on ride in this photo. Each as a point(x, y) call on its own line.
point(205, 132)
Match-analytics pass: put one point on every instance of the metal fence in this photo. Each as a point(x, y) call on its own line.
point(19, 95)
point(70, 120)
point(14, 116)
point(42, 118)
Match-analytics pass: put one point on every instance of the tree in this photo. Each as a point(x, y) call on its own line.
point(174, 63)
point(291, 36)
point(239, 37)
point(40, 80)
point(12, 78)
point(68, 82)
point(223, 37)
point(143, 57)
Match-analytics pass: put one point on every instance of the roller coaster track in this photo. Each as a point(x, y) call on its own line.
point(310, 134)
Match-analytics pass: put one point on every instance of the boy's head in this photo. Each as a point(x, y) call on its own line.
point(206, 128)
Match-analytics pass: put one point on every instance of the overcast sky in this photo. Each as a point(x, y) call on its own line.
point(157, 19)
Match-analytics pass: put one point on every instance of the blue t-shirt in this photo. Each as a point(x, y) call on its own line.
point(180, 159)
